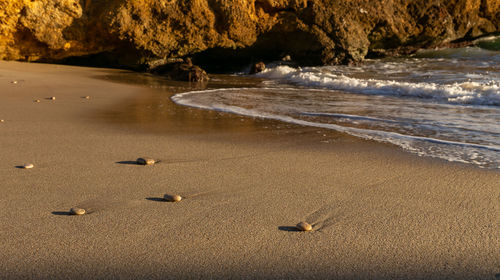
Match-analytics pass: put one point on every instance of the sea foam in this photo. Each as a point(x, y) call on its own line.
point(438, 103)
point(483, 154)
point(468, 92)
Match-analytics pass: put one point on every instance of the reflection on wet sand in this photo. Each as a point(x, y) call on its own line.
point(154, 112)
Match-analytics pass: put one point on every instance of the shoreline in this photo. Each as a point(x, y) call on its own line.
point(377, 211)
point(149, 116)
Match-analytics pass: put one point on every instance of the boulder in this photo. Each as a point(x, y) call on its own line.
point(181, 71)
point(131, 33)
point(257, 67)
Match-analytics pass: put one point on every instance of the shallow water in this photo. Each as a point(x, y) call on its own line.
point(442, 103)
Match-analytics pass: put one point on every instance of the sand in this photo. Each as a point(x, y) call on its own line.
point(377, 212)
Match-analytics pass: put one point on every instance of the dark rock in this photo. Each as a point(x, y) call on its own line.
point(181, 71)
point(257, 67)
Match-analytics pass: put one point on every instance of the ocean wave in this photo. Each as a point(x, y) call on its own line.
point(469, 92)
point(438, 103)
point(482, 155)
point(484, 50)
point(349, 117)
point(489, 43)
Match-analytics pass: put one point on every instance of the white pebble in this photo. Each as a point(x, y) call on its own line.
point(28, 166)
point(53, 98)
point(303, 226)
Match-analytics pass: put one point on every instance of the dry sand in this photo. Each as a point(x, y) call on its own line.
point(377, 212)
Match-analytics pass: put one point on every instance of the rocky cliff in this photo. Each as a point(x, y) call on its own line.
point(132, 32)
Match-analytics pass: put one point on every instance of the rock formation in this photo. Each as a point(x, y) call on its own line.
point(130, 33)
point(181, 71)
point(257, 67)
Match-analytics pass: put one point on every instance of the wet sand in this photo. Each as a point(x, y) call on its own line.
point(377, 212)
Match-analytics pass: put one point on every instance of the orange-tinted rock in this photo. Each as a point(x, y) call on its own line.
point(303, 226)
point(129, 33)
point(77, 211)
point(172, 198)
point(257, 67)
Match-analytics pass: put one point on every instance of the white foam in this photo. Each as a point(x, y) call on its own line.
point(456, 93)
point(481, 155)
point(348, 116)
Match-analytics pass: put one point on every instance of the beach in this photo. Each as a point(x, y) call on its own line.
point(377, 212)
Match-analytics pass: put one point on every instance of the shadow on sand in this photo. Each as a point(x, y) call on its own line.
point(288, 228)
point(61, 213)
point(157, 199)
point(128, 162)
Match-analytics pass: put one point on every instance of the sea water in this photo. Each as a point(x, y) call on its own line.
point(438, 103)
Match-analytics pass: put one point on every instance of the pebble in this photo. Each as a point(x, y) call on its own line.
point(28, 166)
point(172, 198)
point(2, 120)
point(77, 211)
point(146, 161)
point(37, 101)
point(87, 97)
point(14, 82)
point(53, 98)
point(303, 226)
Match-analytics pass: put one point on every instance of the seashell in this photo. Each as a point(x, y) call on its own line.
point(172, 198)
point(37, 101)
point(53, 98)
point(14, 82)
point(87, 97)
point(146, 161)
point(77, 211)
point(2, 120)
point(28, 166)
point(303, 226)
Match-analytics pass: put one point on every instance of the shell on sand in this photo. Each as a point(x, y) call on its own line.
point(37, 101)
point(146, 161)
point(77, 211)
point(28, 166)
point(172, 198)
point(14, 82)
point(53, 98)
point(87, 97)
point(2, 120)
point(303, 226)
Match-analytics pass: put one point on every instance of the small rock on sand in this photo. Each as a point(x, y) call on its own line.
point(52, 98)
point(77, 211)
point(37, 101)
point(146, 161)
point(87, 97)
point(28, 166)
point(2, 120)
point(172, 198)
point(14, 82)
point(303, 226)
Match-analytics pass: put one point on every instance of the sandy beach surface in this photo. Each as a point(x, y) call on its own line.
point(377, 212)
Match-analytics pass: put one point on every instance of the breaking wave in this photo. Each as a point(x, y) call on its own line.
point(437, 103)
